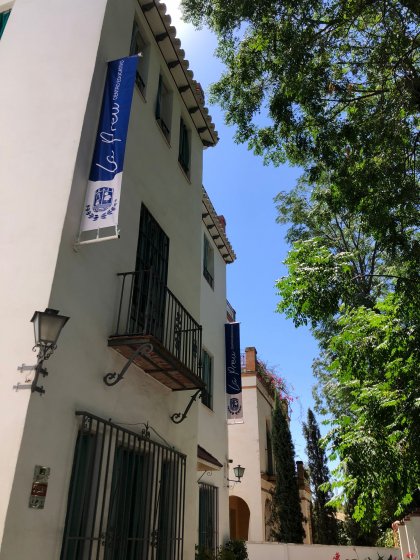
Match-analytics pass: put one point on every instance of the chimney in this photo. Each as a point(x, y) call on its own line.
point(222, 222)
point(250, 359)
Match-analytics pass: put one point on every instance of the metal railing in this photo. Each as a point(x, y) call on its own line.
point(148, 307)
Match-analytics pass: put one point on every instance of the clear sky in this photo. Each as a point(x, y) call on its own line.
point(242, 189)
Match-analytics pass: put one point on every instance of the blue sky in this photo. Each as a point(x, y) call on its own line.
point(242, 189)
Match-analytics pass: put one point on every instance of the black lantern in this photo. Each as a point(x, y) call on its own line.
point(47, 329)
point(238, 472)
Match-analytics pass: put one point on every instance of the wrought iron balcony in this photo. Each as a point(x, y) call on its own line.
point(152, 318)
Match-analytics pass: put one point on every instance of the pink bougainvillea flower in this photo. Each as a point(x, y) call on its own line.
point(336, 556)
point(410, 555)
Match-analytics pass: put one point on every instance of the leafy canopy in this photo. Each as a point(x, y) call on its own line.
point(332, 86)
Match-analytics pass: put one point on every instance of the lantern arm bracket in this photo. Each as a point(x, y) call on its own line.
point(44, 352)
point(113, 378)
point(179, 417)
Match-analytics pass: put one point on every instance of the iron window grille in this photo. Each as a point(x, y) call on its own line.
point(127, 496)
point(207, 377)
point(208, 518)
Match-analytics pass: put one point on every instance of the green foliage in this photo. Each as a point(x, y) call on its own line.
point(386, 539)
point(375, 365)
point(333, 87)
point(362, 302)
point(202, 553)
point(286, 515)
point(233, 550)
point(324, 525)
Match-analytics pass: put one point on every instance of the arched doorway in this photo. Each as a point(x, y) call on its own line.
point(238, 518)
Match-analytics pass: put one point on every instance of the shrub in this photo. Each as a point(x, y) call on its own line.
point(233, 550)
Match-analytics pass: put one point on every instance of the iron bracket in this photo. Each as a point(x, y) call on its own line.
point(111, 379)
point(179, 417)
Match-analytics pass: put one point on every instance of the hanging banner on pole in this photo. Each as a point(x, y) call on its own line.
point(104, 186)
point(233, 373)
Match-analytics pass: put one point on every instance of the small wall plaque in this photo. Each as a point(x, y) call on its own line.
point(39, 487)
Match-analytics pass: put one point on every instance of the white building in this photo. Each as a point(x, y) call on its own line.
point(250, 446)
point(110, 474)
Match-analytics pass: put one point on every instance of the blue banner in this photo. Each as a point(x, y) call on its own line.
point(233, 371)
point(104, 187)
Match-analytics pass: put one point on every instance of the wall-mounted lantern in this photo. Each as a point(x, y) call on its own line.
point(47, 328)
point(238, 472)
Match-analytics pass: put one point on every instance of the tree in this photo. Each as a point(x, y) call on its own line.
point(286, 515)
point(324, 521)
point(362, 304)
point(333, 87)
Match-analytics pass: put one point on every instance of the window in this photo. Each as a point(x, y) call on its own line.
point(207, 394)
point(4, 16)
point(208, 262)
point(208, 517)
point(138, 45)
point(163, 108)
point(126, 496)
point(184, 147)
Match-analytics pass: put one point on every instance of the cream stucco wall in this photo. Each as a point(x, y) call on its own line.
point(50, 105)
point(42, 119)
point(212, 425)
point(247, 446)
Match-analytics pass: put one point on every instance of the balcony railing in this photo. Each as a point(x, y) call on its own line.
point(149, 312)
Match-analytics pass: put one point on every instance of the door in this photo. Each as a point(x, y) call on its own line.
point(149, 288)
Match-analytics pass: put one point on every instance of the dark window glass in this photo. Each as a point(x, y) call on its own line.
point(4, 16)
point(138, 45)
point(163, 108)
point(207, 394)
point(208, 262)
point(184, 148)
point(149, 292)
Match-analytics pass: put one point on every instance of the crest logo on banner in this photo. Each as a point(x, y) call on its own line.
point(234, 406)
point(233, 373)
point(103, 199)
point(104, 186)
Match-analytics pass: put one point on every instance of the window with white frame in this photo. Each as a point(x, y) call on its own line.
point(164, 108)
point(208, 261)
point(139, 46)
